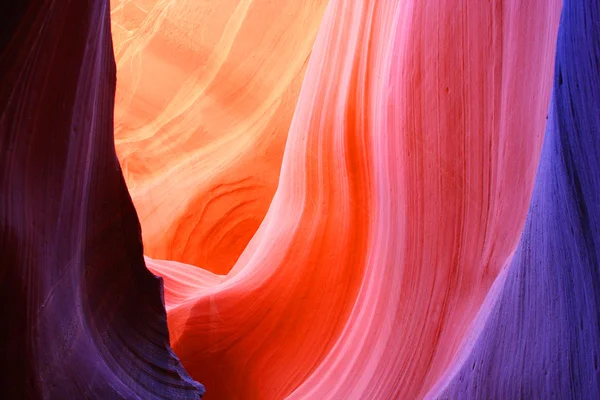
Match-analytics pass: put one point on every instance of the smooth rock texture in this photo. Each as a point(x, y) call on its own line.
point(206, 93)
point(541, 338)
point(345, 199)
point(81, 315)
point(404, 186)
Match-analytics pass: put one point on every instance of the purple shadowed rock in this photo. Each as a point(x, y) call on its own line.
point(81, 315)
point(542, 338)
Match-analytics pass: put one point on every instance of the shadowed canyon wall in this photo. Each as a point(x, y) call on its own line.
point(345, 199)
point(82, 316)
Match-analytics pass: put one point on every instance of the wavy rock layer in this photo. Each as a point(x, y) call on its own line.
point(83, 317)
point(388, 263)
point(206, 94)
point(404, 187)
point(542, 335)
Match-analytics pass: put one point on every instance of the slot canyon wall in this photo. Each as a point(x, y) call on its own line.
point(83, 317)
point(343, 199)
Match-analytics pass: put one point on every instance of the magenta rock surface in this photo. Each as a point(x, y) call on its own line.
point(541, 339)
point(398, 259)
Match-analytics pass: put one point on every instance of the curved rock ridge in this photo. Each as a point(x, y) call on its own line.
point(82, 316)
point(404, 187)
point(541, 334)
point(206, 93)
point(412, 212)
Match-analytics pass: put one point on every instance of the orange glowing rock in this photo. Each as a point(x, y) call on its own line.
point(206, 92)
point(403, 186)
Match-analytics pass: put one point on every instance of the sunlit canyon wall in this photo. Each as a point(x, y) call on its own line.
point(205, 96)
point(345, 199)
